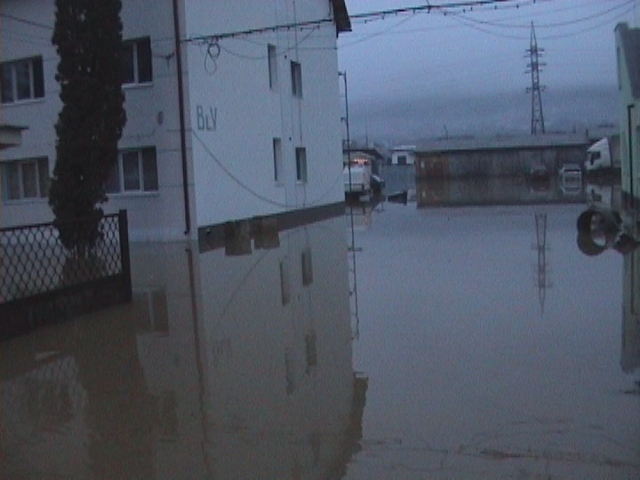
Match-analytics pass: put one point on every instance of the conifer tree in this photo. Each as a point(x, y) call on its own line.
point(88, 38)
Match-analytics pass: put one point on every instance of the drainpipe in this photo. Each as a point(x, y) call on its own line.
point(183, 139)
point(630, 149)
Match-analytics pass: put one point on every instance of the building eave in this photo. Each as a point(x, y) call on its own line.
point(341, 15)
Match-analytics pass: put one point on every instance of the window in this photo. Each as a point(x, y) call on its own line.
point(136, 61)
point(135, 171)
point(307, 267)
point(24, 179)
point(619, 66)
point(273, 67)
point(402, 159)
point(301, 164)
point(21, 80)
point(277, 160)
point(296, 79)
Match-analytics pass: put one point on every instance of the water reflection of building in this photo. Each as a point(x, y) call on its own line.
point(601, 228)
point(630, 357)
point(236, 367)
point(493, 191)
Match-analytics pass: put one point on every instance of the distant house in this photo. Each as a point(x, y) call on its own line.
point(628, 61)
point(232, 114)
point(403, 155)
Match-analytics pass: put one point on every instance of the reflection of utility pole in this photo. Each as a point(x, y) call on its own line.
point(537, 118)
point(541, 248)
point(353, 277)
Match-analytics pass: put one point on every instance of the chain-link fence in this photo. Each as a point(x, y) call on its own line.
point(41, 281)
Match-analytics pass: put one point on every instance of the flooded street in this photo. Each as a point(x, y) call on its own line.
point(467, 342)
point(493, 348)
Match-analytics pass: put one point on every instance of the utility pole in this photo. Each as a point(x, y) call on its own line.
point(533, 67)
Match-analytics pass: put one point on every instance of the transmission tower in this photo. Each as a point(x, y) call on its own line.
point(533, 67)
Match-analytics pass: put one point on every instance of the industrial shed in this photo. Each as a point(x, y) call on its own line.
point(498, 156)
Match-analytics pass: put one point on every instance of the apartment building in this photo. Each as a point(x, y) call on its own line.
point(233, 112)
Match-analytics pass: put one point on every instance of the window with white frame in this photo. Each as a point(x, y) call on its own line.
point(21, 80)
point(273, 66)
point(301, 164)
point(135, 171)
point(296, 79)
point(277, 160)
point(136, 61)
point(24, 179)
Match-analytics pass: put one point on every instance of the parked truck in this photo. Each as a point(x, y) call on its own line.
point(357, 179)
point(604, 155)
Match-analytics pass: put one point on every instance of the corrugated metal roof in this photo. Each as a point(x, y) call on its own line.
point(503, 143)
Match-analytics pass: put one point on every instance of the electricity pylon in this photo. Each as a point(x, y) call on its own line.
point(533, 67)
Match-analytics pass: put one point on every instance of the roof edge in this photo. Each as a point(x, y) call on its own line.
point(341, 15)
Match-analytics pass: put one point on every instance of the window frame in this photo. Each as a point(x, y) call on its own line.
point(272, 60)
point(9, 74)
point(139, 47)
point(301, 165)
point(146, 174)
point(296, 79)
point(278, 176)
point(40, 181)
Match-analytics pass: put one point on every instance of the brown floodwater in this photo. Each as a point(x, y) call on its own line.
point(466, 342)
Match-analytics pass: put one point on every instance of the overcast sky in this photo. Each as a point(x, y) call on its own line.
point(479, 52)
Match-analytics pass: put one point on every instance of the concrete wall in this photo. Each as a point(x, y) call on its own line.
point(629, 113)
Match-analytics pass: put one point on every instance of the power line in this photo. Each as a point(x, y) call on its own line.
point(363, 17)
point(27, 22)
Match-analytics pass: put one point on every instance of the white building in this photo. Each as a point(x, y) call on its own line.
point(628, 63)
point(232, 112)
point(403, 155)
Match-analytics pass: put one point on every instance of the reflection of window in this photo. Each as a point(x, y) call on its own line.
point(21, 80)
point(310, 350)
point(402, 159)
point(25, 179)
point(277, 159)
point(307, 268)
point(289, 372)
point(301, 164)
point(136, 61)
point(273, 67)
point(168, 414)
point(150, 311)
point(296, 79)
point(284, 283)
point(135, 171)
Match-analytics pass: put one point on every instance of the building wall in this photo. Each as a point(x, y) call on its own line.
point(491, 163)
point(403, 157)
point(231, 113)
point(152, 115)
point(235, 114)
point(629, 116)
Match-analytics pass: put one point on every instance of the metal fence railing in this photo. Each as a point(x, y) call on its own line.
point(41, 281)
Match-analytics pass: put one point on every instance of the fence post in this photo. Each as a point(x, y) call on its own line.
point(123, 230)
